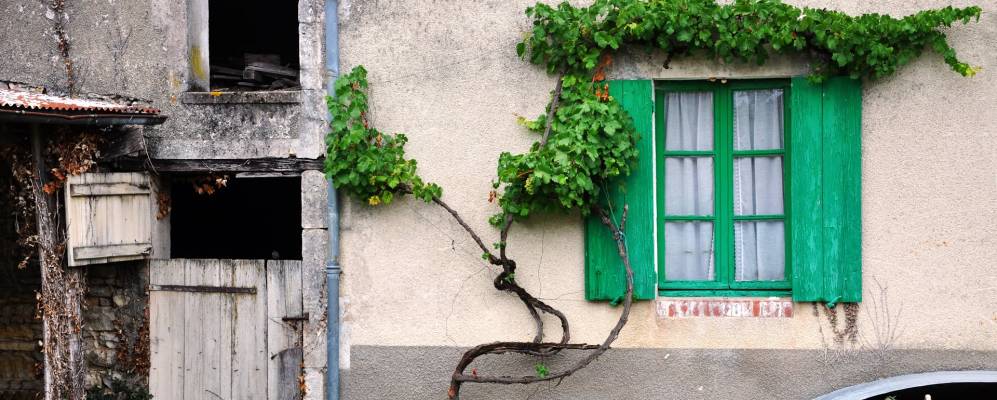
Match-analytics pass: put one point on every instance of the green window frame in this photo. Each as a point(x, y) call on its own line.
point(723, 218)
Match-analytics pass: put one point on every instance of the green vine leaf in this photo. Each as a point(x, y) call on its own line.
point(592, 140)
point(362, 160)
point(542, 370)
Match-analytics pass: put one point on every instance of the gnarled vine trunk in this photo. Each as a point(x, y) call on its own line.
point(505, 281)
point(61, 296)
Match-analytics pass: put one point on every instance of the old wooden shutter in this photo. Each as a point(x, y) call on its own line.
point(825, 190)
point(109, 217)
point(605, 278)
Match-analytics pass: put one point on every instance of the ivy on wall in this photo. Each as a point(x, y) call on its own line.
point(870, 45)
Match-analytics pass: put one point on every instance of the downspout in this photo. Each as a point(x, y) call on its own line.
point(332, 268)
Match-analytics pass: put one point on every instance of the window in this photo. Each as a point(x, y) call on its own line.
point(247, 218)
point(243, 45)
point(722, 202)
point(742, 188)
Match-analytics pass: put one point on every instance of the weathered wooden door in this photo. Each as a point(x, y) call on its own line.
point(225, 329)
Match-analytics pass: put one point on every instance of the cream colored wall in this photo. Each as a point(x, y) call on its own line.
point(446, 74)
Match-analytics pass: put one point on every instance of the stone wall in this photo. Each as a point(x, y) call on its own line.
point(116, 325)
point(20, 333)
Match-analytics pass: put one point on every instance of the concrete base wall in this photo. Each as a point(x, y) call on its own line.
point(383, 372)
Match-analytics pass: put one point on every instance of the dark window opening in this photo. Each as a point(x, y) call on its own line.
point(253, 44)
point(247, 218)
point(945, 391)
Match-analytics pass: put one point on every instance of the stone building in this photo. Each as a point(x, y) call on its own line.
point(230, 294)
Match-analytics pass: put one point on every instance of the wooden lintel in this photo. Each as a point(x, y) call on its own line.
point(221, 165)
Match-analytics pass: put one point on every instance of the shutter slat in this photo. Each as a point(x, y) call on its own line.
point(826, 190)
point(832, 189)
point(109, 189)
point(805, 190)
point(604, 274)
point(114, 250)
point(846, 93)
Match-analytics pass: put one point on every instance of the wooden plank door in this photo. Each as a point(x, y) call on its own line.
point(226, 329)
point(284, 330)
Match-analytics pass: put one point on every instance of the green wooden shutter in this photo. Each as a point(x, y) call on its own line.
point(605, 278)
point(825, 190)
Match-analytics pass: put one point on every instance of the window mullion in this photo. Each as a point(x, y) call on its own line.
point(723, 208)
point(728, 181)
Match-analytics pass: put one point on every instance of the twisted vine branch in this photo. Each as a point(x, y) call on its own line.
point(537, 346)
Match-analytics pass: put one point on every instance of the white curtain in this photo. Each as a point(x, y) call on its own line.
point(758, 119)
point(759, 246)
point(689, 187)
point(689, 251)
point(689, 121)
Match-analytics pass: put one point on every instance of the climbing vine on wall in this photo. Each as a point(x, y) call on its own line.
point(585, 138)
point(362, 160)
point(871, 45)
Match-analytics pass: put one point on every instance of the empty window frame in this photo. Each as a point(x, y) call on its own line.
point(243, 45)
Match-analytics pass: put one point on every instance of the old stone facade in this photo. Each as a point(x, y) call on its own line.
point(143, 50)
point(116, 325)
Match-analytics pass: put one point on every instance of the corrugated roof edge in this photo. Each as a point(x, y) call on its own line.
point(31, 100)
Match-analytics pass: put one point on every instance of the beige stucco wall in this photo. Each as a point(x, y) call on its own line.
point(446, 74)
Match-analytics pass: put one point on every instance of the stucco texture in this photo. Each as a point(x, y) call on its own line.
point(446, 74)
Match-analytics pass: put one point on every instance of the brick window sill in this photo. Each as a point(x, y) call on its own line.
point(723, 307)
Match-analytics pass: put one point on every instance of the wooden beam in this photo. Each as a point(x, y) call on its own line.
point(221, 165)
point(124, 142)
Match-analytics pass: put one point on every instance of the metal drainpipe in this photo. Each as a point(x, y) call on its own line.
point(332, 268)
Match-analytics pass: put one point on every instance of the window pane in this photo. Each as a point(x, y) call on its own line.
point(758, 186)
point(758, 122)
point(759, 251)
point(689, 123)
point(689, 251)
point(689, 186)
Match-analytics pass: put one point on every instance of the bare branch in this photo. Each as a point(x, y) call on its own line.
point(470, 231)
